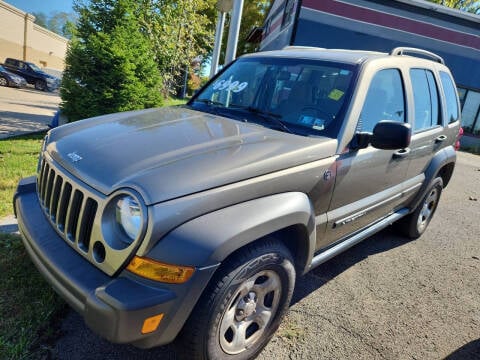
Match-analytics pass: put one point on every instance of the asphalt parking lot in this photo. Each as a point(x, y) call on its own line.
point(25, 110)
point(386, 298)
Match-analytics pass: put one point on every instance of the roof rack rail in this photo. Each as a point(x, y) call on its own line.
point(409, 50)
point(297, 47)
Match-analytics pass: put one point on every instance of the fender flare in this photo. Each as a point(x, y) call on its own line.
point(209, 239)
point(440, 159)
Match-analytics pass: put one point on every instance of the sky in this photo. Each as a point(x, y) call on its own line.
point(45, 6)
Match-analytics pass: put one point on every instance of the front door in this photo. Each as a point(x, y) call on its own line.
point(369, 181)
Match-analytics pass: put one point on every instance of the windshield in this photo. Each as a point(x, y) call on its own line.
point(302, 96)
point(2, 68)
point(34, 67)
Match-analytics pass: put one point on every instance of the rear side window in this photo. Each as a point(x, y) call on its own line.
point(425, 97)
point(450, 96)
point(384, 101)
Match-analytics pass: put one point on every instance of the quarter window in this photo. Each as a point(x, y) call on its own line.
point(384, 101)
point(450, 96)
point(425, 97)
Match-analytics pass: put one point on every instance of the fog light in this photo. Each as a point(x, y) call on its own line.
point(151, 324)
point(158, 271)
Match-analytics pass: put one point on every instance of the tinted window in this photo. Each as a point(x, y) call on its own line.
point(384, 101)
point(425, 97)
point(450, 96)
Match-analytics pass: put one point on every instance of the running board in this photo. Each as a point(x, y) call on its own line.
point(355, 239)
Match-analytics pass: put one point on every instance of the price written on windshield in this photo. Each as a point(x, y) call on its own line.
point(234, 86)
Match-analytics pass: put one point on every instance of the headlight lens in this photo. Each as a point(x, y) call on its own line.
point(128, 214)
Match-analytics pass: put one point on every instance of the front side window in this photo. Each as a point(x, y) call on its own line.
point(305, 97)
point(385, 100)
point(425, 97)
point(450, 96)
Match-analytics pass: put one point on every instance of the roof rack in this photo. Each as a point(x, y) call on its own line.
point(297, 47)
point(409, 50)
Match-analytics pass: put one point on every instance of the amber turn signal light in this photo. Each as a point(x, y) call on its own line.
point(151, 324)
point(158, 271)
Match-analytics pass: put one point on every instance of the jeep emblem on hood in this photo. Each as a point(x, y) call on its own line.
point(74, 157)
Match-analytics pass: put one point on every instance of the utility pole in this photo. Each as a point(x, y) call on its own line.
point(223, 7)
point(234, 31)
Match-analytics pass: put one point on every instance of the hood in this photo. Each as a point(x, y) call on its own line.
point(171, 152)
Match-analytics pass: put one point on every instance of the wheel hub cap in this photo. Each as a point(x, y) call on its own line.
point(250, 312)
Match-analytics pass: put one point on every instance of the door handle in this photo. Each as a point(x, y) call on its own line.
point(401, 153)
point(441, 138)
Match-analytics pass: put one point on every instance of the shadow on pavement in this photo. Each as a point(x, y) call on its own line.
point(469, 351)
point(14, 123)
point(79, 342)
point(46, 107)
point(385, 240)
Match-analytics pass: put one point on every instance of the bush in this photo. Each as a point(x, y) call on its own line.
point(110, 65)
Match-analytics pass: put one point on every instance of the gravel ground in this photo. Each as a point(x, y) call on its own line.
point(386, 298)
point(25, 110)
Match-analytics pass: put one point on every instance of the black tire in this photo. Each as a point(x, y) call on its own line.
point(40, 85)
point(415, 224)
point(3, 81)
point(242, 306)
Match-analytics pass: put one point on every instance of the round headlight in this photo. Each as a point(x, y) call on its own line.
point(128, 214)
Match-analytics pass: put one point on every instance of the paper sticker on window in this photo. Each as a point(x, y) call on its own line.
point(319, 124)
point(335, 94)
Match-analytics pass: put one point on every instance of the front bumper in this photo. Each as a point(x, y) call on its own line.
point(113, 307)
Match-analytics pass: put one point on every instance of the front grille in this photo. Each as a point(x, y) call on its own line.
point(69, 208)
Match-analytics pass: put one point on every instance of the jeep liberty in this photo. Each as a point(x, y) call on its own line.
point(191, 223)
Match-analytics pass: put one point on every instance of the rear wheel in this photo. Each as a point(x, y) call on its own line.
point(416, 223)
point(242, 307)
point(3, 81)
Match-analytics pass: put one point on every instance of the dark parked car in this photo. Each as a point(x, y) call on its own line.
point(8, 78)
point(192, 223)
point(33, 74)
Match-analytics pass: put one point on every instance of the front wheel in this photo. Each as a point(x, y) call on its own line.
point(40, 85)
point(416, 223)
point(243, 305)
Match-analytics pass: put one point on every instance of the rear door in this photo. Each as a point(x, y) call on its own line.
point(428, 134)
point(369, 181)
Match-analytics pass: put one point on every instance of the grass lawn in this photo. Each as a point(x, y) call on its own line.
point(29, 308)
point(18, 158)
point(28, 305)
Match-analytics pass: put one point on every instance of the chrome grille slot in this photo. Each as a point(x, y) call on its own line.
point(70, 208)
point(55, 197)
point(48, 191)
point(43, 184)
point(63, 206)
point(88, 216)
point(73, 215)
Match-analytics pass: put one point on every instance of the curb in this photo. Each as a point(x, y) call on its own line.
point(9, 225)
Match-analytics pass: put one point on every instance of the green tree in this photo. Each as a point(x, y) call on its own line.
point(58, 22)
point(472, 6)
point(110, 65)
point(254, 13)
point(180, 32)
point(40, 19)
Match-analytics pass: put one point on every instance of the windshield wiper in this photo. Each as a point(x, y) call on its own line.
point(210, 102)
point(269, 116)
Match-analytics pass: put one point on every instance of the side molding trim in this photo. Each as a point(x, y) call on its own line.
point(349, 242)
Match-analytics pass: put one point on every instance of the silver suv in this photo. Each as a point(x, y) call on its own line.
point(191, 223)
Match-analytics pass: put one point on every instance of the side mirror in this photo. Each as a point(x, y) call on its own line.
point(391, 135)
